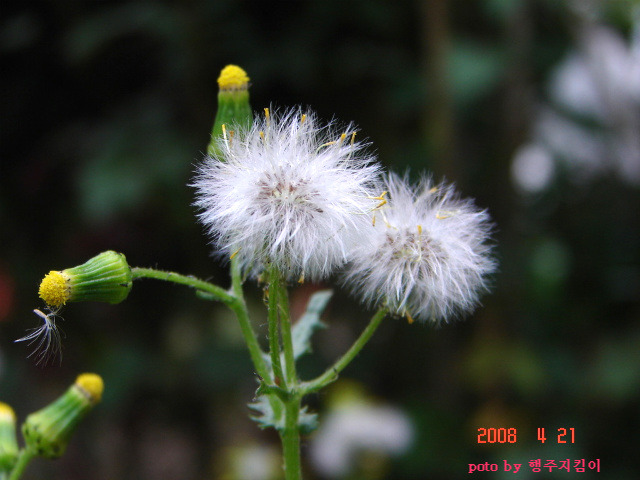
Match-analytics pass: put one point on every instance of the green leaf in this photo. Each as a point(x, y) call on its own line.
point(307, 421)
point(309, 322)
point(265, 417)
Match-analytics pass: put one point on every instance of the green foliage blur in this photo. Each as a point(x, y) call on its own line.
point(107, 107)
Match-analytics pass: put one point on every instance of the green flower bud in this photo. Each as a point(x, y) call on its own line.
point(105, 278)
point(8, 442)
point(234, 109)
point(47, 432)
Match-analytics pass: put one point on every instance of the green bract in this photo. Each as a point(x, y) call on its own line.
point(234, 110)
point(47, 432)
point(104, 278)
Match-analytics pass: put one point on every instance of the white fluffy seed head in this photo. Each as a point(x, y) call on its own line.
point(287, 192)
point(427, 255)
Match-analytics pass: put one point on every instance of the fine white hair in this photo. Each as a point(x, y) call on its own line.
point(427, 254)
point(45, 338)
point(287, 192)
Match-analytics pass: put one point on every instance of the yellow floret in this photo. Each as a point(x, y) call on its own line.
point(54, 289)
point(233, 77)
point(92, 385)
point(6, 412)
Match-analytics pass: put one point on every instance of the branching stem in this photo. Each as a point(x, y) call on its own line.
point(234, 300)
point(331, 374)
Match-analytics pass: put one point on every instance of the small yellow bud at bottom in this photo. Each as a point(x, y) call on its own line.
point(54, 289)
point(6, 412)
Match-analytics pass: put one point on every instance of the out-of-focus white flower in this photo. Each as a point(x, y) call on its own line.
point(532, 168)
point(251, 462)
point(354, 427)
point(427, 256)
point(595, 130)
point(287, 192)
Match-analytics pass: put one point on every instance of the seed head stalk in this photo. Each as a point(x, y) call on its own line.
point(280, 319)
point(331, 374)
point(274, 326)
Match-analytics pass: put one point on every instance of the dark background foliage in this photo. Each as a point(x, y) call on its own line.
point(107, 107)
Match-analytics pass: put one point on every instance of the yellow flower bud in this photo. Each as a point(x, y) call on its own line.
point(232, 77)
point(48, 431)
point(234, 109)
point(104, 278)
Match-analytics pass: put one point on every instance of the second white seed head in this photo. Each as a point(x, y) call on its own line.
point(427, 253)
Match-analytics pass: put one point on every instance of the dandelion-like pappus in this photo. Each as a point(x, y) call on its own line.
point(427, 253)
point(287, 192)
point(46, 338)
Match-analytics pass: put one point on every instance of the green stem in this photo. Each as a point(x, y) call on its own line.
point(279, 315)
point(24, 457)
point(235, 301)
point(266, 389)
point(218, 293)
point(242, 314)
point(236, 278)
point(287, 338)
point(290, 437)
point(331, 374)
point(274, 337)
point(257, 355)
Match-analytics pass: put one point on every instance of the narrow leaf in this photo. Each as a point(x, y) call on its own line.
point(309, 322)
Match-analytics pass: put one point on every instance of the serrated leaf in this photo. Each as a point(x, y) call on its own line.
point(265, 417)
point(307, 421)
point(306, 326)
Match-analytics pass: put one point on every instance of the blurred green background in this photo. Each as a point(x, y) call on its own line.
point(530, 106)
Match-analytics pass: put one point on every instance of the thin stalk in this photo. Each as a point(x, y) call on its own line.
point(287, 338)
point(274, 336)
point(279, 316)
point(331, 374)
point(242, 314)
point(236, 278)
point(290, 437)
point(256, 353)
point(235, 301)
point(239, 307)
point(215, 291)
point(24, 457)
